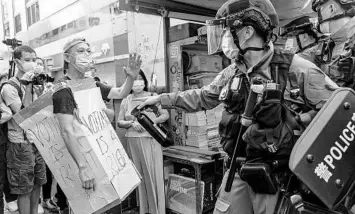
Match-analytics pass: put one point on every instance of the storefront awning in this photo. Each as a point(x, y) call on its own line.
point(200, 10)
point(196, 10)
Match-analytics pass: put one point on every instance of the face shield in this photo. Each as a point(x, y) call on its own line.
point(215, 31)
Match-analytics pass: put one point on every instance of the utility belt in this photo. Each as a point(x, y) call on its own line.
point(263, 176)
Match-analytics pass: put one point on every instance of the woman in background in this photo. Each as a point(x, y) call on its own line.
point(146, 152)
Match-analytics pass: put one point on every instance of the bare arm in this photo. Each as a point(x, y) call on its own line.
point(110, 114)
point(163, 115)
point(11, 98)
point(66, 126)
point(122, 123)
point(123, 91)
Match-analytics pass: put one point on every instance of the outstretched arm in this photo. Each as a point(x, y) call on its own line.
point(195, 99)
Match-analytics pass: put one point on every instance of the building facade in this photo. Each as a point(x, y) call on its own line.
point(46, 25)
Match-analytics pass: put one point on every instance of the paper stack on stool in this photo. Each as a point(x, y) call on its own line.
point(213, 116)
point(202, 128)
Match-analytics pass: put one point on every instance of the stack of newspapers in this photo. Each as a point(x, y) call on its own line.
point(202, 128)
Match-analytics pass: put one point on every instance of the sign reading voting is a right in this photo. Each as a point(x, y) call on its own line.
point(97, 141)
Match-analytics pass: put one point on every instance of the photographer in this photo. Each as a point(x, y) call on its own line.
point(26, 170)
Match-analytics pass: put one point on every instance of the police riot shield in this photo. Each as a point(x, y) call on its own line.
point(324, 156)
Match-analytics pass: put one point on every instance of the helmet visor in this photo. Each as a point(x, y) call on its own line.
point(215, 29)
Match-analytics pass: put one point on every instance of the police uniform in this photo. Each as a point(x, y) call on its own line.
point(303, 25)
point(305, 88)
point(336, 52)
point(315, 89)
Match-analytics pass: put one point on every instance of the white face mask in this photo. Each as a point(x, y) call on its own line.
point(28, 66)
point(39, 69)
point(325, 27)
point(229, 48)
point(82, 63)
point(138, 86)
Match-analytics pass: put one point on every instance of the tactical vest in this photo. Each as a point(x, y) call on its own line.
point(235, 104)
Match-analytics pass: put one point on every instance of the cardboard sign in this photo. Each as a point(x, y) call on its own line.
point(97, 141)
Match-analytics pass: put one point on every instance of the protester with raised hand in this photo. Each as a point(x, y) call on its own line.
point(78, 61)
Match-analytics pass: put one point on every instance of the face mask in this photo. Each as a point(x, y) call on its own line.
point(229, 48)
point(83, 63)
point(28, 67)
point(39, 69)
point(324, 27)
point(138, 86)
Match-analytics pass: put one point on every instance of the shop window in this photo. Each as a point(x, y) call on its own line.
point(63, 28)
point(18, 26)
point(55, 31)
point(32, 13)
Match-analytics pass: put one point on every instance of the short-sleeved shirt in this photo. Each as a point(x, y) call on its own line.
point(10, 96)
point(128, 104)
point(64, 102)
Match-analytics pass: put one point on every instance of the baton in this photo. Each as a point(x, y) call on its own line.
point(240, 146)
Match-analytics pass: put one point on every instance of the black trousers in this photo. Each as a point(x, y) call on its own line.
point(46, 188)
point(61, 198)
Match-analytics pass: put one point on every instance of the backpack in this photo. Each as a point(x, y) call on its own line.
point(3, 127)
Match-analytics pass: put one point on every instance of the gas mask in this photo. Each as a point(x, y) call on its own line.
point(229, 48)
point(83, 63)
point(138, 86)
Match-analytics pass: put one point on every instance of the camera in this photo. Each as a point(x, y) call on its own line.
point(12, 42)
point(40, 79)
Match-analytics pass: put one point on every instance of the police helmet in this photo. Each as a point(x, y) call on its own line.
point(347, 5)
point(343, 3)
point(298, 26)
point(260, 14)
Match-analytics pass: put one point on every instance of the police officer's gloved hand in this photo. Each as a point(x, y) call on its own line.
point(346, 66)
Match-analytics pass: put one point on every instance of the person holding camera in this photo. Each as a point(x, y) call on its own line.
point(26, 169)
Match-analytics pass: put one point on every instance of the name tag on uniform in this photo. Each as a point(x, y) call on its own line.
point(235, 86)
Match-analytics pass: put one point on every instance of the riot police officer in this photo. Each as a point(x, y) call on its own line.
point(303, 33)
point(336, 18)
point(243, 30)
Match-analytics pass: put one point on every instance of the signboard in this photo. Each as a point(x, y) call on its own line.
point(146, 37)
point(114, 172)
point(323, 157)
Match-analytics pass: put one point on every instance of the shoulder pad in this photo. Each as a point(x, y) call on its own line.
point(282, 57)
